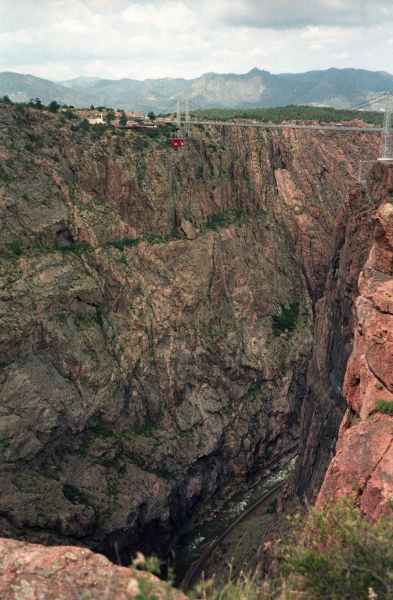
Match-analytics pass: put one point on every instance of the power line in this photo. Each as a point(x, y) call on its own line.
point(382, 96)
point(166, 110)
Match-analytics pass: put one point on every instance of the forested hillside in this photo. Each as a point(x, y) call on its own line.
point(289, 113)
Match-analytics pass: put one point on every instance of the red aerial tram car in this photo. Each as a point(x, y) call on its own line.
point(175, 142)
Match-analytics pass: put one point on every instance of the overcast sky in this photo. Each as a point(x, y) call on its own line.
point(141, 39)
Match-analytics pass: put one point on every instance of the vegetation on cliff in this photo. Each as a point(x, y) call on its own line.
point(286, 320)
point(329, 555)
point(384, 406)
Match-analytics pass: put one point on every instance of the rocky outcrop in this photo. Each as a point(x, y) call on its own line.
point(31, 571)
point(362, 468)
point(140, 376)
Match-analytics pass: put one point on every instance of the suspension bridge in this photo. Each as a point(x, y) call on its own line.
point(183, 126)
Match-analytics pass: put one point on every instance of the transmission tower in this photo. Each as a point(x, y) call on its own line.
point(386, 145)
point(187, 126)
point(178, 117)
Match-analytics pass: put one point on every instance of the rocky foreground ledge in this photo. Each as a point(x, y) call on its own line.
point(35, 572)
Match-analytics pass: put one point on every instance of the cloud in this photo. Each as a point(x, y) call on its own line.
point(329, 36)
point(295, 14)
point(169, 16)
point(341, 55)
point(257, 53)
point(185, 38)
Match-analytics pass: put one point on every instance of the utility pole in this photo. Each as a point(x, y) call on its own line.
point(386, 144)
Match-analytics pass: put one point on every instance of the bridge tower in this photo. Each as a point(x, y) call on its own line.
point(187, 118)
point(386, 144)
point(178, 118)
point(183, 128)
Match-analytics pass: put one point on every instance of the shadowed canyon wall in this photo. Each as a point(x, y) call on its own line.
point(362, 469)
point(141, 381)
point(324, 403)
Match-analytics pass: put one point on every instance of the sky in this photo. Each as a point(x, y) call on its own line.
point(143, 39)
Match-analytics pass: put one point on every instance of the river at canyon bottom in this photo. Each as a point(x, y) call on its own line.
point(192, 545)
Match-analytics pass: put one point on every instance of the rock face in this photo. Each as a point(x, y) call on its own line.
point(324, 403)
point(363, 466)
point(31, 571)
point(140, 376)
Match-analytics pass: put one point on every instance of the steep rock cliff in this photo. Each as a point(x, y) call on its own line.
point(362, 468)
point(140, 377)
point(324, 403)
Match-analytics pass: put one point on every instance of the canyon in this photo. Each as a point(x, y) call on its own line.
point(142, 380)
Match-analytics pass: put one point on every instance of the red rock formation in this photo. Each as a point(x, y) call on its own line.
point(363, 466)
point(33, 572)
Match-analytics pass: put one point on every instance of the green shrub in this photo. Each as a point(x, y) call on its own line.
point(99, 315)
point(124, 242)
point(286, 321)
point(174, 234)
point(82, 321)
point(163, 473)
point(146, 429)
point(140, 144)
point(100, 431)
point(69, 114)
point(253, 392)
point(384, 406)
point(339, 555)
point(153, 238)
point(110, 463)
point(199, 173)
point(84, 125)
point(223, 219)
point(98, 130)
point(153, 133)
point(272, 507)
point(16, 249)
point(150, 238)
point(78, 247)
point(261, 214)
point(75, 495)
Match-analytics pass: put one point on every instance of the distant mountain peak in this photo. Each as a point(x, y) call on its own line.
point(256, 71)
point(257, 88)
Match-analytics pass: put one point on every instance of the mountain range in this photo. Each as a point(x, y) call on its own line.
point(338, 88)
